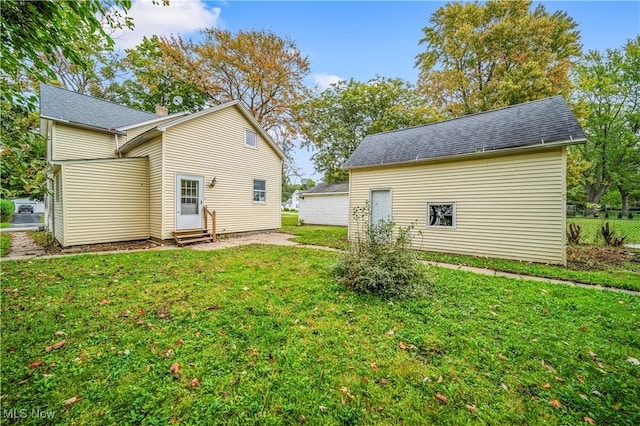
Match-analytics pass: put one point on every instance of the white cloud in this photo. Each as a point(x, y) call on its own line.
point(323, 81)
point(179, 17)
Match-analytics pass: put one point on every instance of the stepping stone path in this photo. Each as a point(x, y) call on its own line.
point(22, 245)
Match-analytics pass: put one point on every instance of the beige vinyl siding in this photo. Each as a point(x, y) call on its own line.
point(153, 151)
point(58, 214)
point(508, 206)
point(136, 131)
point(105, 201)
point(73, 143)
point(212, 145)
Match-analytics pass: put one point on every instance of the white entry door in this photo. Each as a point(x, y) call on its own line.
point(380, 205)
point(189, 200)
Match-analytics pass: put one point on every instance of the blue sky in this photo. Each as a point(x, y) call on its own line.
point(360, 39)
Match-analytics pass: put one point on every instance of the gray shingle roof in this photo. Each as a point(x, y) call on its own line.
point(324, 188)
point(525, 125)
point(61, 104)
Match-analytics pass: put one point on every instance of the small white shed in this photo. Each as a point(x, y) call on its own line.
point(325, 204)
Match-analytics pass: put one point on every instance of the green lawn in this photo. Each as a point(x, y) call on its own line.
point(591, 229)
point(328, 236)
point(5, 243)
point(264, 335)
point(621, 273)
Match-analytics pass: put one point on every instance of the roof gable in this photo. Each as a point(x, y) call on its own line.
point(60, 104)
point(532, 124)
point(150, 134)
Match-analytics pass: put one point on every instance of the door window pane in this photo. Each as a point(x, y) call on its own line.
point(188, 197)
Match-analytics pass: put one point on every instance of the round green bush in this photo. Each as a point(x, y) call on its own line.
point(7, 208)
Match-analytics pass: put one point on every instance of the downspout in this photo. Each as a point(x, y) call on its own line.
point(117, 145)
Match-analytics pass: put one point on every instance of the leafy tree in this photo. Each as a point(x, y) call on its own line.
point(609, 91)
point(260, 69)
point(482, 56)
point(151, 81)
point(35, 32)
point(336, 120)
point(34, 35)
point(23, 149)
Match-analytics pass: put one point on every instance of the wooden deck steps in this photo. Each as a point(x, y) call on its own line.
point(189, 236)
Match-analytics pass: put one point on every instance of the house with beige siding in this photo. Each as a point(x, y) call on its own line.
point(119, 174)
point(489, 184)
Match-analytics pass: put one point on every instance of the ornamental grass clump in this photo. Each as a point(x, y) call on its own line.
point(380, 260)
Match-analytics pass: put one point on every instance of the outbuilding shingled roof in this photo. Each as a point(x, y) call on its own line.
point(531, 124)
point(328, 188)
point(61, 104)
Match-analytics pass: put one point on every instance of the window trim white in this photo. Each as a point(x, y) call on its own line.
point(255, 139)
point(453, 215)
point(263, 190)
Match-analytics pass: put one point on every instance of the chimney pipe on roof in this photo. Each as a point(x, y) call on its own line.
point(161, 110)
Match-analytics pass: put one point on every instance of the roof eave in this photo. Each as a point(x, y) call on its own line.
point(84, 126)
point(325, 193)
point(154, 120)
point(542, 145)
point(140, 139)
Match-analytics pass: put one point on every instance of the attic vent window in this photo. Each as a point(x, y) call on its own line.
point(441, 215)
point(250, 139)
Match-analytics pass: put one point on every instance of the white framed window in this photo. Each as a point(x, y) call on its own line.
point(250, 139)
point(259, 191)
point(441, 215)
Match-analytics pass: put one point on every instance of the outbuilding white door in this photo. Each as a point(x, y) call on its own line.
point(380, 205)
point(189, 200)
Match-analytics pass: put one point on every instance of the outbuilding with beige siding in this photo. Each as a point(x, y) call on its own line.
point(119, 174)
point(489, 184)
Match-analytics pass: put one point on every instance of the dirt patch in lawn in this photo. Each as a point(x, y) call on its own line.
point(602, 258)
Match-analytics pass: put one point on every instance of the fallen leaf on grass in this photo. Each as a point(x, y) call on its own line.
point(548, 367)
point(59, 333)
point(346, 391)
point(175, 367)
point(559, 379)
point(55, 346)
point(471, 408)
point(383, 381)
point(375, 366)
point(168, 353)
point(589, 420)
point(402, 345)
point(504, 386)
point(302, 419)
point(390, 333)
point(322, 408)
point(502, 356)
point(583, 396)
point(546, 386)
point(194, 383)
point(633, 361)
point(442, 398)
point(35, 364)
point(103, 302)
point(72, 400)
point(555, 403)
point(179, 342)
